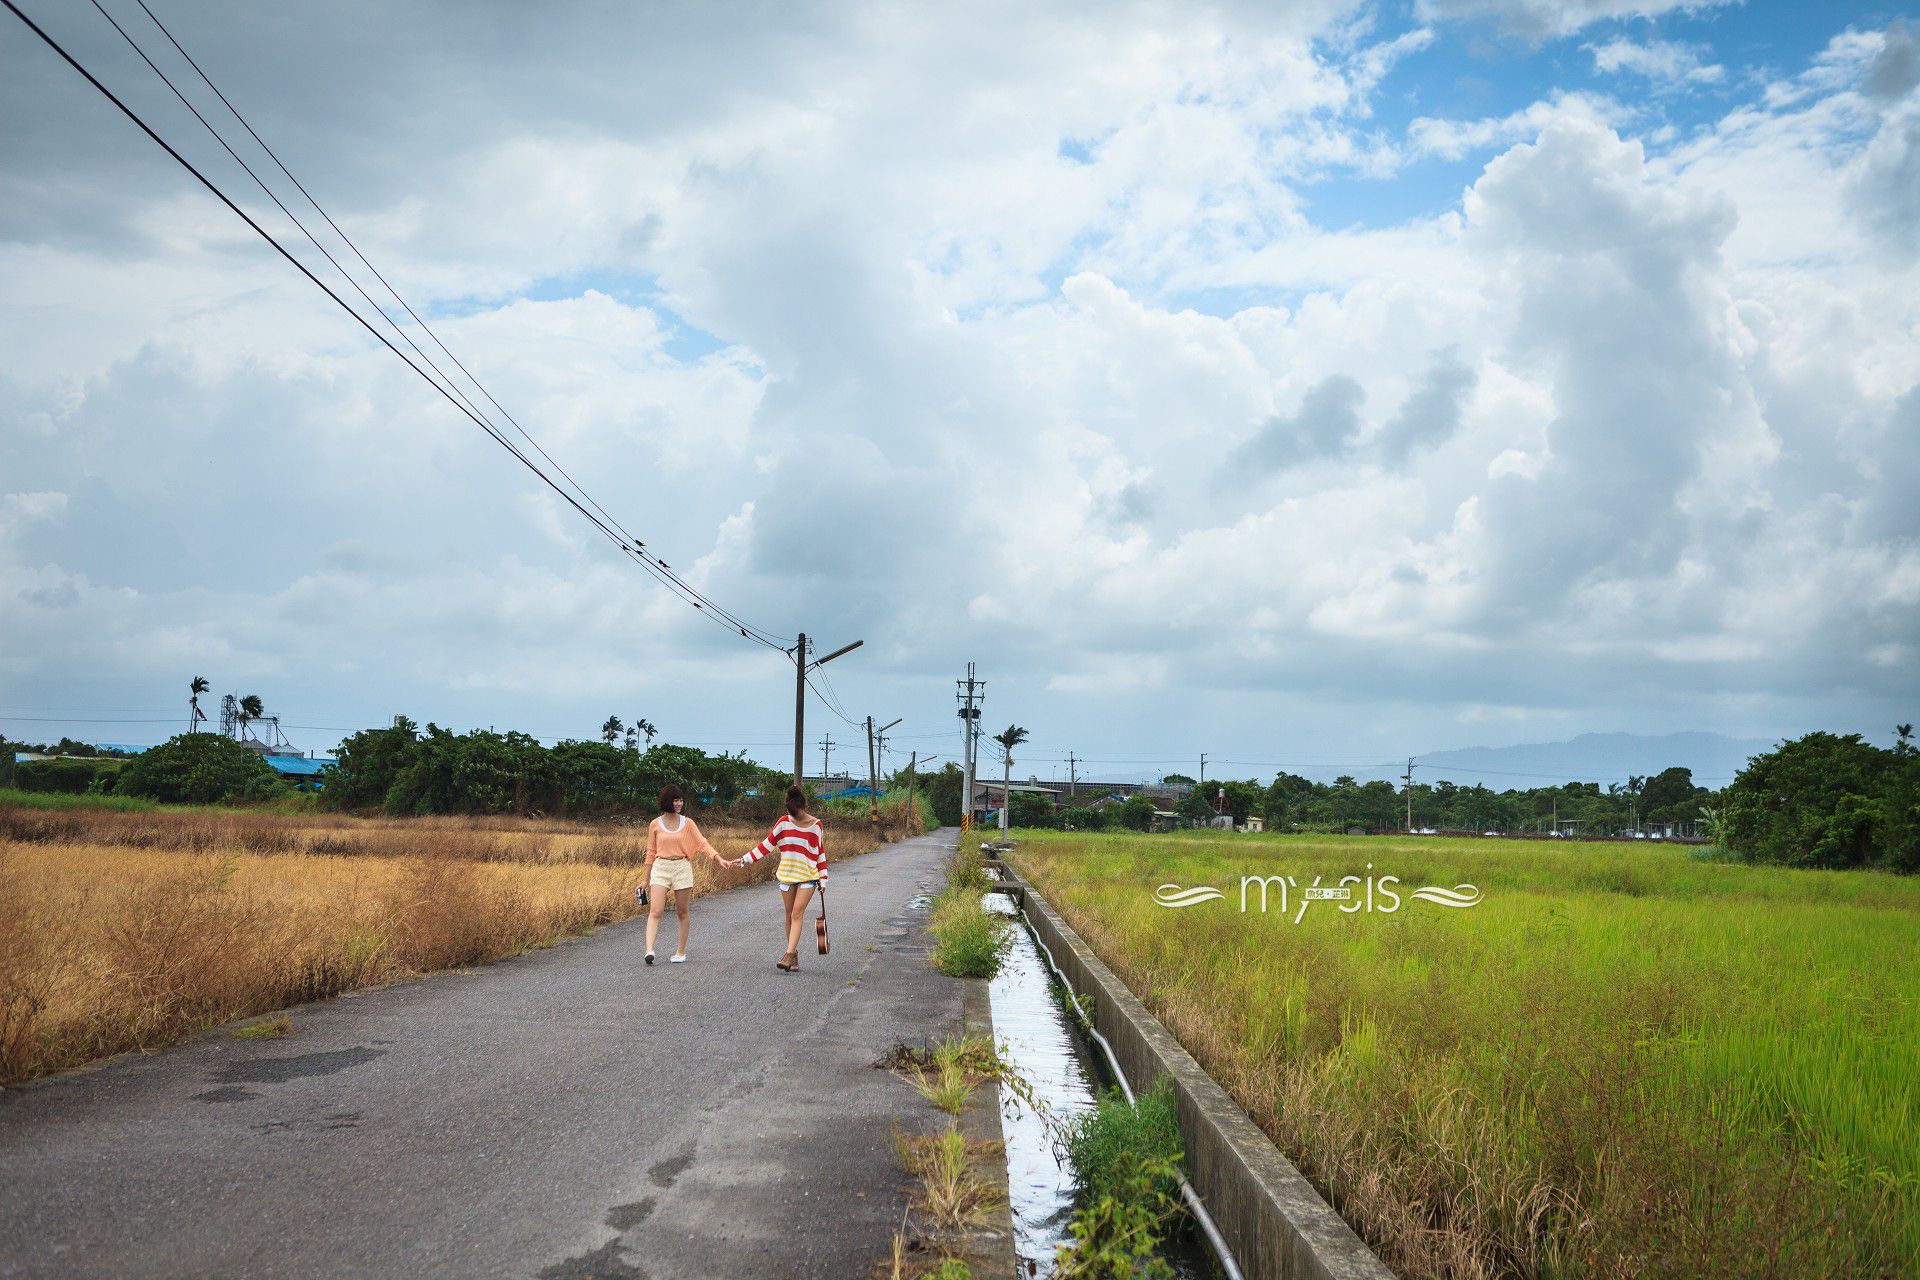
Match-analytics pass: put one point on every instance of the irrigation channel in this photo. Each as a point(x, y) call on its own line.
point(1044, 1043)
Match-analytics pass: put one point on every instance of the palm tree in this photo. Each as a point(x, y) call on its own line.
point(646, 729)
point(195, 688)
point(611, 729)
point(251, 709)
point(1010, 738)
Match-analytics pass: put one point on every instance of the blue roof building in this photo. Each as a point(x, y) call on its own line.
point(298, 769)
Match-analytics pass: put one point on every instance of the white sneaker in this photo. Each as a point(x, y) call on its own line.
point(678, 960)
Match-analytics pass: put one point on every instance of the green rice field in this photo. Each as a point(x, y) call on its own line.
point(1624, 1060)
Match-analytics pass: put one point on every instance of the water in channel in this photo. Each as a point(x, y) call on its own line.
point(1041, 1040)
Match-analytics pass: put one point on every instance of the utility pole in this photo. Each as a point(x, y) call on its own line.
point(913, 763)
point(1203, 769)
point(799, 708)
point(969, 693)
point(1409, 777)
point(1073, 778)
point(826, 756)
point(873, 770)
point(800, 668)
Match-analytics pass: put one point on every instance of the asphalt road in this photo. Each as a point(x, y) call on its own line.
point(569, 1113)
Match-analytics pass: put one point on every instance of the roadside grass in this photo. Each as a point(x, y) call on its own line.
point(953, 1194)
point(1625, 1061)
point(968, 940)
point(127, 929)
point(948, 1071)
point(274, 1028)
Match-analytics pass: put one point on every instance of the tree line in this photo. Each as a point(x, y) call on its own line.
point(1822, 800)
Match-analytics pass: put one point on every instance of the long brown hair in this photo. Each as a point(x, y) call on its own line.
point(796, 801)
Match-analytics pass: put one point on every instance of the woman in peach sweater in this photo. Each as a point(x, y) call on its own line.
point(672, 840)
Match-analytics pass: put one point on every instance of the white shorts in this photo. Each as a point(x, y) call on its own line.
point(671, 873)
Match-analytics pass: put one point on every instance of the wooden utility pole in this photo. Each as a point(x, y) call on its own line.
point(799, 708)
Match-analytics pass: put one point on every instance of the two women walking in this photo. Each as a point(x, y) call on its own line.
point(674, 839)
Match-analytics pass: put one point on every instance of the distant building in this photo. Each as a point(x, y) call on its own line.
point(990, 797)
point(301, 771)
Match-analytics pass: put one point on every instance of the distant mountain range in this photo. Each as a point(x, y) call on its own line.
point(1592, 757)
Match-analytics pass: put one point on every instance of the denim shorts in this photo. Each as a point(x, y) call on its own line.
point(804, 884)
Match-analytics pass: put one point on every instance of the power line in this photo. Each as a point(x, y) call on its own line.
point(631, 547)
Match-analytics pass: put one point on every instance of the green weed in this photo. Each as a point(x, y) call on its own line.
point(273, 1028)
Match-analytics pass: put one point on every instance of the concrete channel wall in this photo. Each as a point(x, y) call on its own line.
point(1274, 1221)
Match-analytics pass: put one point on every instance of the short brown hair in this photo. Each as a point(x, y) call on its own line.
point(668, 794)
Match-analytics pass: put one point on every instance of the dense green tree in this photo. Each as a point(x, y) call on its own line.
point(1670, 796)
point(366, 764)
point(1090, 818)
point(1196, 805)
point(1137, 813)
point(1816, 801)
point(1033, 811)
point(943, 793)
point(199, 768)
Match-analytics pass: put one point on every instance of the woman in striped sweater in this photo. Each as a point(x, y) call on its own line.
point(801, 843)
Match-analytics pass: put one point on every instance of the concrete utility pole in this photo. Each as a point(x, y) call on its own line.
point(1409, 778)
point(800, 668)
point(970, 693)
point(1073, 778)
point(880, 743)
point(913, 764)
point(826, 757)
point(873, 768)
point(1006, 790)
point(799, 708)
point(1203, 768)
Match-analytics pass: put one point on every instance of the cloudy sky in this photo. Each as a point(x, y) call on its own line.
point(1303, 383)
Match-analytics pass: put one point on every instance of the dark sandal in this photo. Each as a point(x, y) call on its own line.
point(790, 962)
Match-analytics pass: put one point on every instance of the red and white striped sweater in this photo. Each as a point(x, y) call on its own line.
point(802, 850)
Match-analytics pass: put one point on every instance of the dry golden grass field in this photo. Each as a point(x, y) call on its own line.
point(129, 930)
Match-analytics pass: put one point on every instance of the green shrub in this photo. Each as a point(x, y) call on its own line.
point(1117, 1233)
point(67, 777)
point(199, 768)
point(1100, 1143)
point(969, 942)
point(967, 869)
